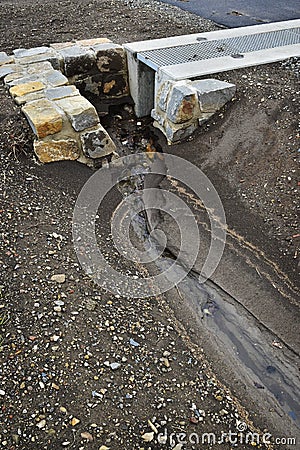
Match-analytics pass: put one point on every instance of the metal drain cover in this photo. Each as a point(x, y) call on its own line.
point(209, 49)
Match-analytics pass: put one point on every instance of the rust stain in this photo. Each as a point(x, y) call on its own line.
point(108, 86)
point(187, 108)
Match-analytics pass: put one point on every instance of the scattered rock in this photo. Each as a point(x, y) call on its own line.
point(59, 278)
point(148, 437)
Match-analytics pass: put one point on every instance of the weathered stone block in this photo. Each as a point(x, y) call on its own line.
point(114, 85)
point(213, 94)
point(25, 52)
point(9, 69)
point(177, 132)
point(17, 78)
point(159, 117)
point(110, 58)
point(57, 93)
point(5, 59)
point(50, 151)
point(29, 97)
point(88, 83)
point(182, 104)
point(61, 45)
point(80, 112)
point(38, 67)
point(163, 94)
point(43, 117)
point(78, 60)
point(54, 78)
point(49, 55)
point(91, 42)
point(97, 143)
point(26, 88)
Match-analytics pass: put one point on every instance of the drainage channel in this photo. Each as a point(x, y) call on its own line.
point(211, 49)
point(244, 341)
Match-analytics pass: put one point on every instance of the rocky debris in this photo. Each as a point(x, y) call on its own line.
point(181, 106)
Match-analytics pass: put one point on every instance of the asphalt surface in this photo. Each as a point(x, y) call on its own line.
point(240, 13)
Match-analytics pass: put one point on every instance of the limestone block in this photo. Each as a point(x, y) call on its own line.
point(8, 69)
point(61, 45)
point(50, 151)
point(110, 58)
point(29, 97)
point(61, 92)
point(91, 42)
point(44, 117)
point(97, 143)
point(6, 59)
point(88, 83)
point(77, 60)
point(114, 85)
point(54, 78)
point(25, 52)
point(38, 67)
point(48, 55)
point(18, 78)
point(80, 112)
point(26, 88)
point(213, 94)
point(182, 103)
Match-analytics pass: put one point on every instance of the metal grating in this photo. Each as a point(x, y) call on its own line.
point(217, 48)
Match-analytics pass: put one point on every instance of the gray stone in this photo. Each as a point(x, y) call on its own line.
point(24, 52)
point(159, 117)
point(80, 112)
point(182, 103)
point(177, 132)
point(54, 78)
point(14, 79)
point(163, 94)
point(7, 69)
point(38, 67)
point(213, 94)
point(57, 93)
point(5, 59)
point(50, 55)
point(78, 60)
point(61, 45)
point(97, 143)
point(110, 57)
point(29, 97)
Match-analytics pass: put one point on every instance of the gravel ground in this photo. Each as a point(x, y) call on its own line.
point(80, 367)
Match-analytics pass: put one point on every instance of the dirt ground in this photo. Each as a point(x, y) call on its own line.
point(59, 386)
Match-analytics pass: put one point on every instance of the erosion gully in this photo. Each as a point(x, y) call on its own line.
point(244, 341)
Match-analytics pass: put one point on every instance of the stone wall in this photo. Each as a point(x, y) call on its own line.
point(53, 86)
